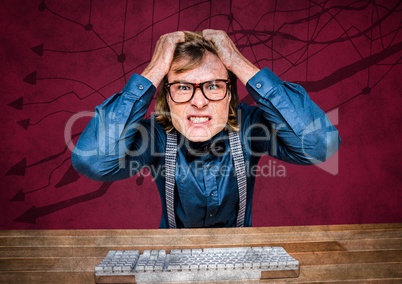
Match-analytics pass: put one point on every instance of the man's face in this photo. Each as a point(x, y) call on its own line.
point(200, 119)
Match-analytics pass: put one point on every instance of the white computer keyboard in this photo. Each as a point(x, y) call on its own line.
point(208, 264)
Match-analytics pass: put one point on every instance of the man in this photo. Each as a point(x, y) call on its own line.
point(201, 147)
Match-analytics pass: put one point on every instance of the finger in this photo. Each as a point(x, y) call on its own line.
point(212, 35)
point(174, 37)
point(208, 34)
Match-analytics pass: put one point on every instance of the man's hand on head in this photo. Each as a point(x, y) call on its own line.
point(162, 57)
point(230, 55)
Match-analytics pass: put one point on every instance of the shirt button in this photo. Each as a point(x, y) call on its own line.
point(141, 87)
point(258, 85)
point(211, 215)
point(212, 193)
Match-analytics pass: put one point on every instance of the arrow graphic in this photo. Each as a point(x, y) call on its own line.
point(33, 213)
point(19, 168)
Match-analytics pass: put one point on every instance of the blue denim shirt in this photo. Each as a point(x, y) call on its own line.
point(285, 124)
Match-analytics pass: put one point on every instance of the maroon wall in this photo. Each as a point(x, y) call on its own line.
point(59, 59)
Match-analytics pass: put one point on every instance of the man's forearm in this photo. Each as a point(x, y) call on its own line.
point(110, 134)
point(302, 127)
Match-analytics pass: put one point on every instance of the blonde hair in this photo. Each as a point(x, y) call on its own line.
point(193, 49)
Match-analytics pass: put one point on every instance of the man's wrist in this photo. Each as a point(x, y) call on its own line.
point(244, 69)
point(154, 75)
point(246, 73)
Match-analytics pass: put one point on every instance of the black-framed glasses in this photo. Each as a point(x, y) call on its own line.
point(182, 92)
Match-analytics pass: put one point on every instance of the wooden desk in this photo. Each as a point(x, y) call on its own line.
point(357, 253)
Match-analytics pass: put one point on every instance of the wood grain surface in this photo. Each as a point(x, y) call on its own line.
point(369, 253)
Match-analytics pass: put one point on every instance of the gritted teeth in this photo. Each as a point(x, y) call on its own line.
point(198, 119)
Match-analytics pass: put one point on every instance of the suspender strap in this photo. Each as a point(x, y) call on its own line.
point(240, 168)
point(170, 167)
